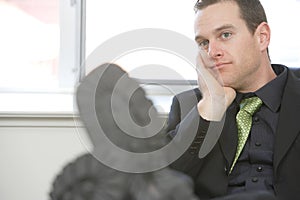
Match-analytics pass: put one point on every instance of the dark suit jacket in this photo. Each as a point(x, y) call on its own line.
point(211, 172)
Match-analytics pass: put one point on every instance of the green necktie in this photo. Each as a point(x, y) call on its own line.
point(244, 122)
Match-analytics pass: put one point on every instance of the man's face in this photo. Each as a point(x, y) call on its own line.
point(226, 43)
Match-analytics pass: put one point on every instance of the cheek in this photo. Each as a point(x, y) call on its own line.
point(248, 58)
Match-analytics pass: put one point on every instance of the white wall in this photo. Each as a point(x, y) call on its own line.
point(33, 150)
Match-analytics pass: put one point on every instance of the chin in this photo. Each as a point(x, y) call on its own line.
point(228, 84)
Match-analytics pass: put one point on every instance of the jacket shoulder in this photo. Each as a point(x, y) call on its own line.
point(189, 94)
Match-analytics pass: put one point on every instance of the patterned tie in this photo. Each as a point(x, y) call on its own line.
point(244, 122)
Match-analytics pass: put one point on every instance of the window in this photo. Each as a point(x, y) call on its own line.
point(40, 54)
point(43, 46)
point(29, 43)
point(107, 20)
point(285, 41)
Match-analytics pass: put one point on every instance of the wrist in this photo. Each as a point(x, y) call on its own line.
point(212, 110)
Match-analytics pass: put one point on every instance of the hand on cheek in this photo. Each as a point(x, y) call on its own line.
point(215, 97)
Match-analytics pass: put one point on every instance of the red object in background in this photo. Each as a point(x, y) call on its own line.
point(47, 11)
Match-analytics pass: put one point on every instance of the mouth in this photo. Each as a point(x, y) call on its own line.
point(220, 65)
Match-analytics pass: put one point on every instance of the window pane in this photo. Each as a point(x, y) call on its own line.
point(106, 19)
point(285, 41)
point(30, 45)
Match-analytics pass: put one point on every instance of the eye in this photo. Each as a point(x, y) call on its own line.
point(226, 35)
point(203, 44)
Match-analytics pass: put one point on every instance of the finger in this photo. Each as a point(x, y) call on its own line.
point(230, 95)
point(209, 64)
point(207, 75)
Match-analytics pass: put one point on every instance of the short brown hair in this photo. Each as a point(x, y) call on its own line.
point(250, 10)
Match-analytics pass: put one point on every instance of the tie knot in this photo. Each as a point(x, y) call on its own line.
point(251, 105)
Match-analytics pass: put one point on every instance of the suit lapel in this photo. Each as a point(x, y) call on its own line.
point(288, 123)
point(229, 139)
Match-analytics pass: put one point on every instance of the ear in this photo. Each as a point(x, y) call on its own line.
point(263, 34)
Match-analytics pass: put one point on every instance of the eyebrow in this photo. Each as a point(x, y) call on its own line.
point(223, 27)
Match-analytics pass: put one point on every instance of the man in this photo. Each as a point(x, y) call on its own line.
point(234, 65)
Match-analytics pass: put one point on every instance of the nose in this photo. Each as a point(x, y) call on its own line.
point(215, 50)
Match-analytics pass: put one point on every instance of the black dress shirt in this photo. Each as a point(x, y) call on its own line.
point(254, 168)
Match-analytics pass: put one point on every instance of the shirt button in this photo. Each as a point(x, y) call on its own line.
point(256, 119)
point(257, 144)
point(259, 169)
point(254, 179)
point(225, 169)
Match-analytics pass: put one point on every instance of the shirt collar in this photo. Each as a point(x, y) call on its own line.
point(271, 93)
